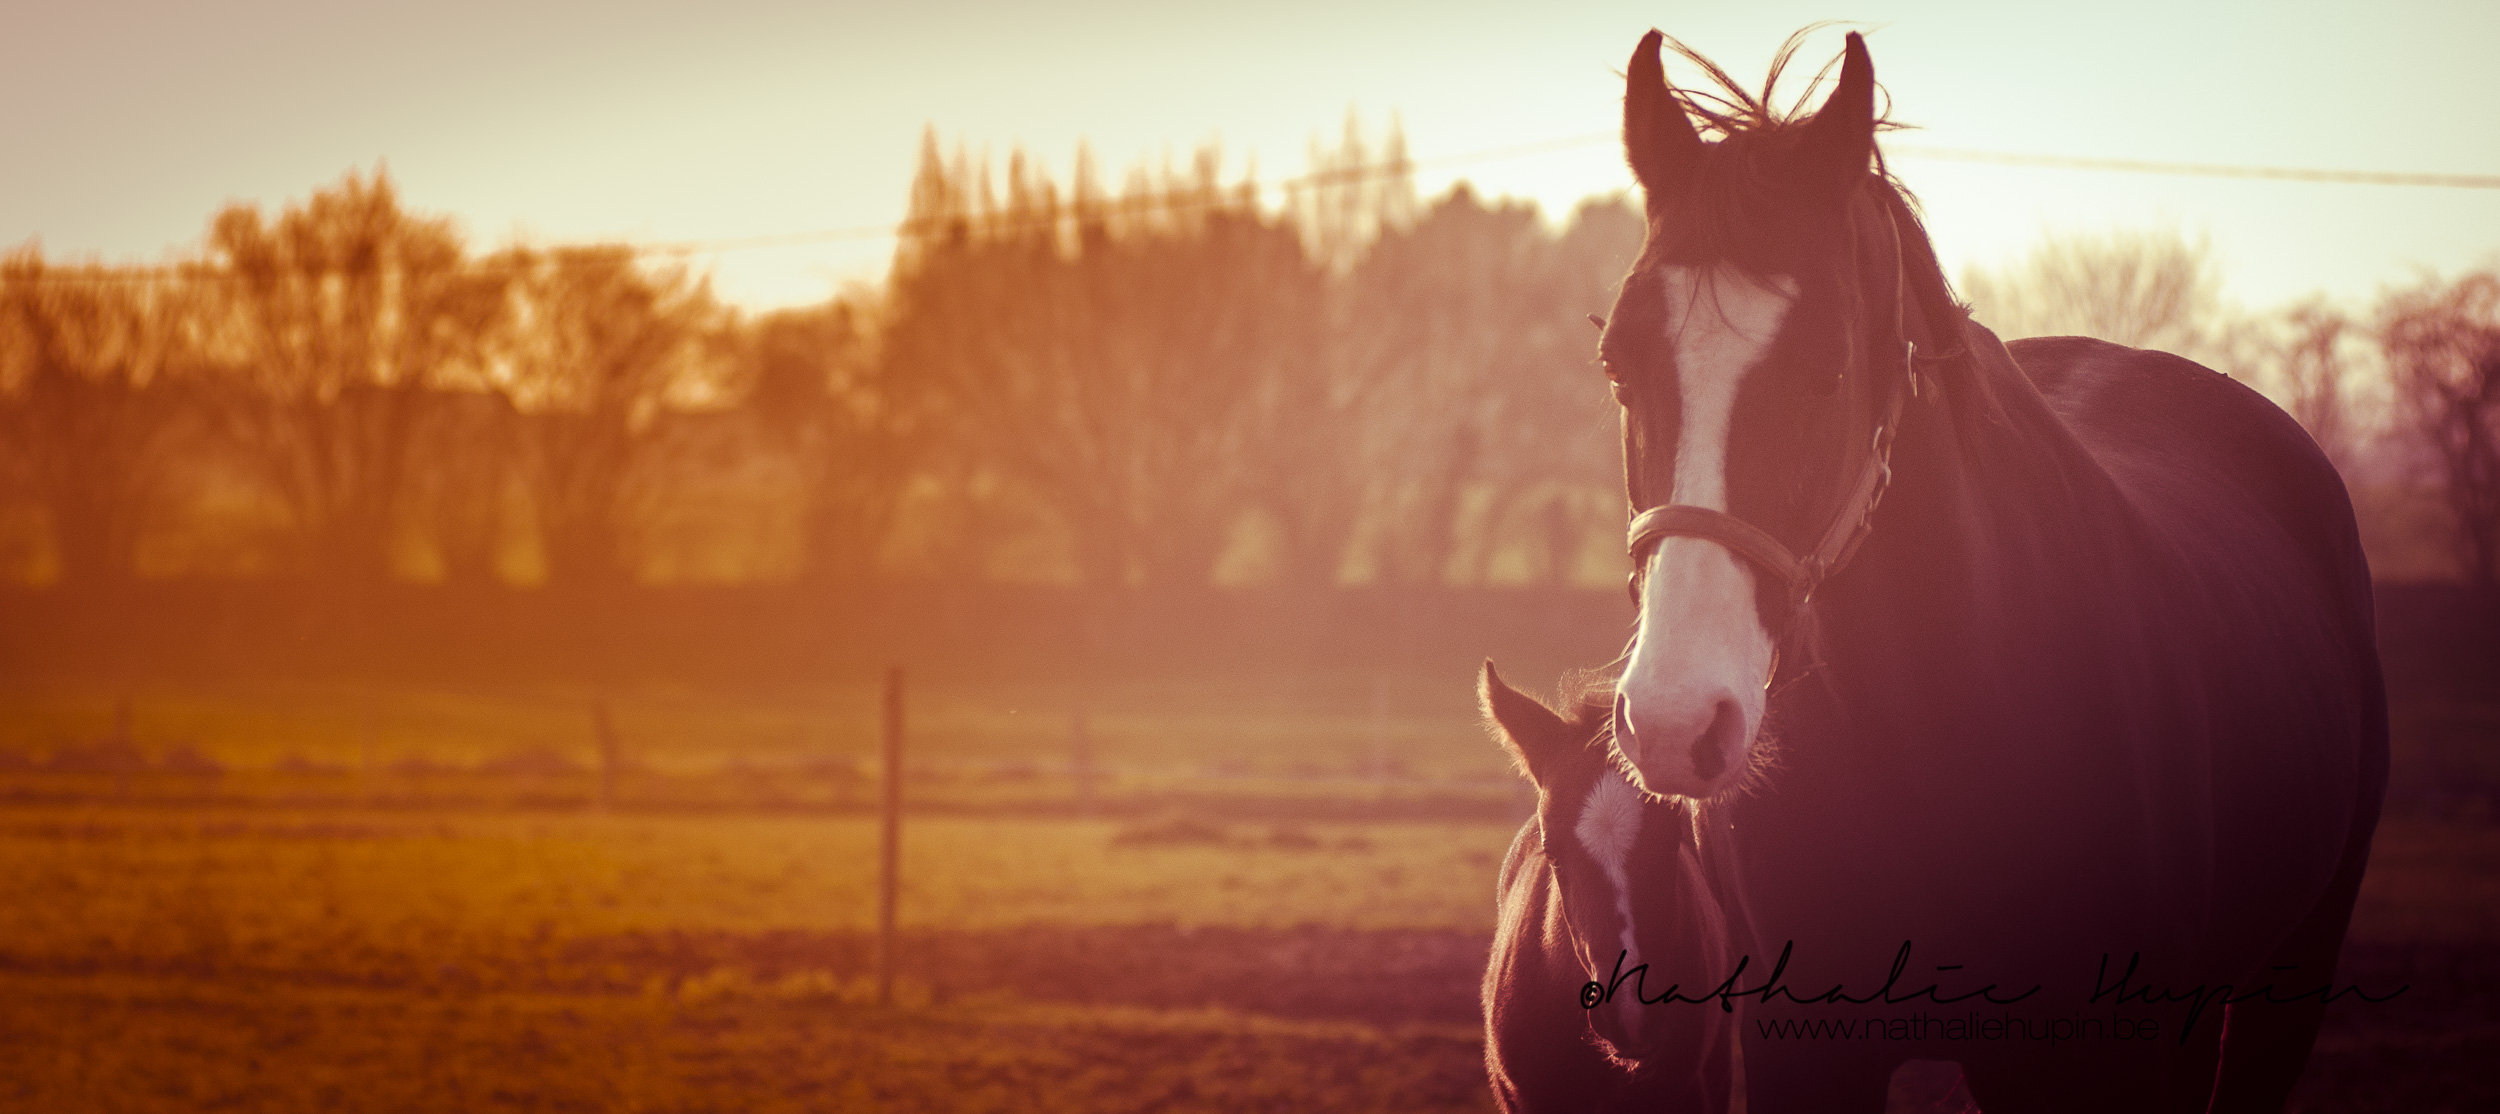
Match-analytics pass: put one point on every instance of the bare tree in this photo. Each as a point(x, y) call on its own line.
point(1353, 195)
point(347, 314)
point(1108, 353)
point(1557, 461)
point(1312, 474)
point(2309, 360)
point(1475, 335)
point(2147, 289)
point(469, 448)
point(596, 348)
point(92, 408)
point(855, 428)
point(2442, 342)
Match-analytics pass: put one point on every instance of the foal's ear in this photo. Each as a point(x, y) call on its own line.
point(1840, 139)
point(1658, 138)
point(1530, 731)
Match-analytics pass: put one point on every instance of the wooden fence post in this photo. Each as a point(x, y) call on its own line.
point(1081, 761)
point(366, 775)
point(611, 753)
point(123, 750)
point(890, 839)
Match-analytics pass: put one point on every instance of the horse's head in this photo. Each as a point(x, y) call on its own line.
point(1754, 349)
point(1632, 883)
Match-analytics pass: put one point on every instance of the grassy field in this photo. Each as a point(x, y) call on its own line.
point(315, 928)
point(182, 959)
point(1244, 724)
point(1282, 747)
point(162, 959)
point(299, 893)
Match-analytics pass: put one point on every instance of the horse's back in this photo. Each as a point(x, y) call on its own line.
point(2256, 601)
point(2226, 499)
point(2186, 443)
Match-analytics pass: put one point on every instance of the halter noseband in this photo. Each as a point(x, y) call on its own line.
point(1849, 526)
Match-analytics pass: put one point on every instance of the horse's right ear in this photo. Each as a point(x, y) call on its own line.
point(1530, 731)
point(1658, 138)
point(1840, 138)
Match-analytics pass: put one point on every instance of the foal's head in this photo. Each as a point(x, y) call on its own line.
point(1632, 883)
point(1750, 349)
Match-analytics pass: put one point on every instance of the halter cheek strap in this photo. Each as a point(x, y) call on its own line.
point(1840, 540)
point(1849, 526)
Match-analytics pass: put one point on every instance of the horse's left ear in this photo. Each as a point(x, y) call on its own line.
point(1658, 138)
point(1530, 731)
point(1840, 140)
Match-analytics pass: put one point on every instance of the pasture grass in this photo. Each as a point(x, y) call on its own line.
point(182, 959)
point(134, 1044)
point(352, 892)
point(161, 959)
point(2434, 882)
point(1301, 725)
point(344, 933)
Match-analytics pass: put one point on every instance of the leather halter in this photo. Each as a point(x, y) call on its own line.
point(1849, 526)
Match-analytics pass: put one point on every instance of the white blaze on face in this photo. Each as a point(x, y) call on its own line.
point(1691, 697)
point(1609, 821)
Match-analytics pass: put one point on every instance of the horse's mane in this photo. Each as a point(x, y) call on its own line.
point(1733, 110)
point(1738, 189)
point(1754, 129)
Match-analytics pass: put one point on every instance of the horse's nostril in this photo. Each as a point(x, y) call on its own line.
point(1623, 718)
point(1711, 750)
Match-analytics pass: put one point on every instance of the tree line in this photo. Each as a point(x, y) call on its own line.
point(2403, 395)
point(1162, 384)
point(1169, 383)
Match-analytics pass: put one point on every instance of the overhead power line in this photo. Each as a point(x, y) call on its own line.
point(1157, 202)
point(1177, 201)
point(2204, 169)
point(1593, 139)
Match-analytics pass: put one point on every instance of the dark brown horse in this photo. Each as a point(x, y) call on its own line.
point(2030, 693)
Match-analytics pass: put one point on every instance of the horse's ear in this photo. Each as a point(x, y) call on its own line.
point(1658, 138)
point(1530, 731)
point(1840, 140)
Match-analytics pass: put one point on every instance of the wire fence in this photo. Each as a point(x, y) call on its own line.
point(1198, 199)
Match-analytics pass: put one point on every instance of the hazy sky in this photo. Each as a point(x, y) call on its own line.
point(129, 124)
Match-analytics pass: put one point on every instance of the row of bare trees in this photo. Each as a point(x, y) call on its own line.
point(1164, 384)
point(322, 386)
point(1161, 373)
point(1158, 385)
point(2404, 398)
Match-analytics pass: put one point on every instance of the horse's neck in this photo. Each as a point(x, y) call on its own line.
point(1980, 524)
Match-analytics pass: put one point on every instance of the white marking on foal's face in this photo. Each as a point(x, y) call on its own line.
point(1702, 655)
point(1609, 821)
